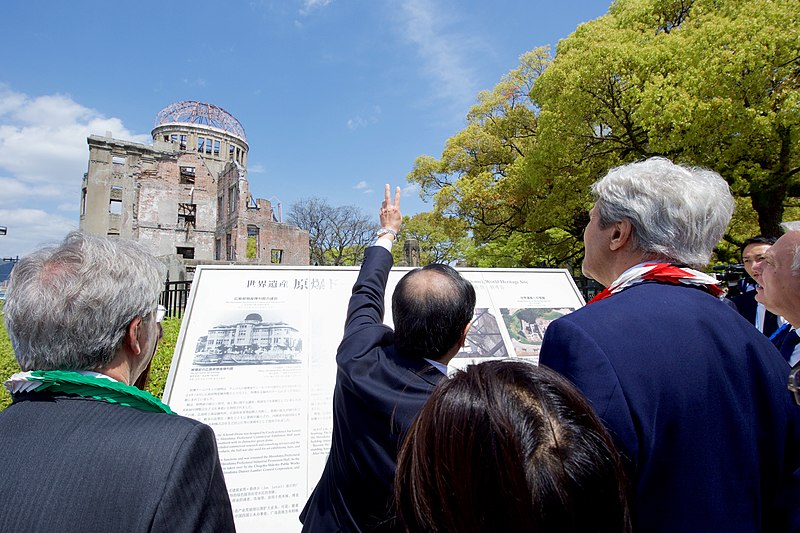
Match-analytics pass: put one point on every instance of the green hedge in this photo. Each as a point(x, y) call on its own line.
point(158, 371)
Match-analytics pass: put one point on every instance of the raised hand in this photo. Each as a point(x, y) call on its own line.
point(390, 211)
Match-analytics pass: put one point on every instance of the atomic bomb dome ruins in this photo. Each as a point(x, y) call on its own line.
point(187, 195)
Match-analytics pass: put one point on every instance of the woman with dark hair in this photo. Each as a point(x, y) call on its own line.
point(509, 446)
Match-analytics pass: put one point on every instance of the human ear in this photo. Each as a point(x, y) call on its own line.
point(623, 230)
point(131, 338)
point(463, 339)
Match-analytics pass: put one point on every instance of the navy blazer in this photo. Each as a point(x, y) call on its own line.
point(378, 394)
point(746, 304)
point(696, 400)
point(72, 464)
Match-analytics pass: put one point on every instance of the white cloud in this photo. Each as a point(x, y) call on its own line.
point(29, 228)
point(363, 186)
point(43, 156)
point(197, 82)
point(311, 5)
point(364, 119)
point(256, 168)
point(412, 189)
point(356, 122)
point(444, 52)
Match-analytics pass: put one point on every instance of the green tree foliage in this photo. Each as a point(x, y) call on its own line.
point(714, 83)
point(252, 246)
point(481, 177)
point(441, 239)
point(8, 363)
point(338, 235)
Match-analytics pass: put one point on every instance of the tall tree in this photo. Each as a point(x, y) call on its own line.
point(706, 82)
point(480, 176)
point(338, 235)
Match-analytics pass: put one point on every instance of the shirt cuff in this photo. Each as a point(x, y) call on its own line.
point(384, 242)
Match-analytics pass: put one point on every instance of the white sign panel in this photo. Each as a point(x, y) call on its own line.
point(255, 360)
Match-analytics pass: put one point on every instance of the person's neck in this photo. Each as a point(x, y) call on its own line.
point(118, 369)
point(632, 260)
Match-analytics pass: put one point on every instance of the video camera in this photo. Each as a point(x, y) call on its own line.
point(733, 276)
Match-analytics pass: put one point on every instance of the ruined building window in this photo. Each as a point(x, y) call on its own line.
point(233, 199)
point(115, 206)
point(83, 201)
point(228, 247)
point(220, 207)
point(116, 192)
point(113, 233)
point(173, 138)
point(231, 148)
point(201, 143)
point(252, 241)
point(187, 175)
point(277, 256)
point(183, 142)
point(187, 214)
point(187, 252)
point(118, 164)
point(217, 249)
point(216, 148)
point(166, 138)
point(208, 146)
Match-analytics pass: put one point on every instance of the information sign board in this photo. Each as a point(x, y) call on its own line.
point(255, 360)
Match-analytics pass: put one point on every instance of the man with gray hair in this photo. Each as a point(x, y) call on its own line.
point(694, 396)
point(84, 450)
point(779, 290)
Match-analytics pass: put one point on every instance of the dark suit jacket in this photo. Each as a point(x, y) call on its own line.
point(79, 465)
point(746, 304)
point(378, 394)
point(696, 401)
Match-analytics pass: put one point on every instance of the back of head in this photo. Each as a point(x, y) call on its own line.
point(677, 213)
point(431, 307)
point(508, 446)
point(67, 306)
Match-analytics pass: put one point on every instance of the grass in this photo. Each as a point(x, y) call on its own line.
point(159, 369)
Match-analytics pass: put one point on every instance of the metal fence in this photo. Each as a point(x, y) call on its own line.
point(175, 296)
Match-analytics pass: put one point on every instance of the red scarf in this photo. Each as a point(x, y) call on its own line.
point(663, 273)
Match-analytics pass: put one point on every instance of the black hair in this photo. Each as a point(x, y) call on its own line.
point(431, 307)
point(509, 446)
point(758, 239)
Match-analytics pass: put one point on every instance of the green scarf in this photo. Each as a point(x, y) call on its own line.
point(69, 382)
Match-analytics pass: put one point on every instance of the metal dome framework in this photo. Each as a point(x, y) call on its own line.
point(191, 112)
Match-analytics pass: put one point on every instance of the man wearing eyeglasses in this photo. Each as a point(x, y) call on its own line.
point(83, 449)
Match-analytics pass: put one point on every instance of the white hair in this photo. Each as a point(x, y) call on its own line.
point(793, 225)
point(678, 213)
point(68, 306)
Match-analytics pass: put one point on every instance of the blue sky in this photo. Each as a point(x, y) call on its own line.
point(337, 97)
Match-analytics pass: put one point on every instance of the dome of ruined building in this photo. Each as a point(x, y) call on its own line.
point(253, 317)
point(199, 113)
